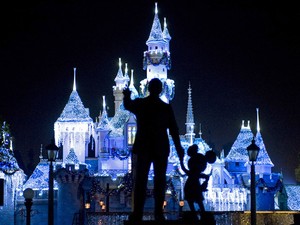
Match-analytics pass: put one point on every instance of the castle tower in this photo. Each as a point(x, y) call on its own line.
point(71, 196)
point(157, 59)
point(121, 82)
point(190, 125)
point(74, 126)
point(102, 129)
point(238, 156)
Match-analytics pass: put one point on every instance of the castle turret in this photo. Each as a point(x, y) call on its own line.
point(238, 156)
point(74, 126)
point(121, 82)
point(157, 59)
point(102, 129)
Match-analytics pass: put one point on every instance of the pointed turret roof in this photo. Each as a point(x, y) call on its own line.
point(166, 34)
point(238, 151)
point(156, 33)
point(121, 79)
point(39, 179)
point(263, 157)
point(189, 113)
point(134, 92)
point(126, 77)
point(74, 110)
point(120, 76)
point(103, 119)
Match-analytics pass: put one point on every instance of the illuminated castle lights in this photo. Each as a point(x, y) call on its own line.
point(11, 177)
point(114, 136)
point(111, 139)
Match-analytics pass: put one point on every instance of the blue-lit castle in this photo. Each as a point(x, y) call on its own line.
point(93, 170)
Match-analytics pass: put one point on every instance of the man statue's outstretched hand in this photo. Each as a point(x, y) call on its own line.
point(126, 92)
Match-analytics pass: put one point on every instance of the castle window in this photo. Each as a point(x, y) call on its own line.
point(156, 47)
point(237, 164)
point(131, 131)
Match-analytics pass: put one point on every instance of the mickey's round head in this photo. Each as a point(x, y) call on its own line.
point(197, 162)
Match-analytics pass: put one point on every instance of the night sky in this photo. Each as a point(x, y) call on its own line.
point(237, 55)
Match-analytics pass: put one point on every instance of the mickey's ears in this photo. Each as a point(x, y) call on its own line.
point(210, 156)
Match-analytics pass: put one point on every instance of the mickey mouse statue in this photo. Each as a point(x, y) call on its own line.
point(193, 189)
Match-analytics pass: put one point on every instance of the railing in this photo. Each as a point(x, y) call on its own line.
point(221, 218)
point(118, 218)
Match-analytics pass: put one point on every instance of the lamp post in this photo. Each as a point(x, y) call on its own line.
point(253, 150)
point(28, 194)
point(52, 150)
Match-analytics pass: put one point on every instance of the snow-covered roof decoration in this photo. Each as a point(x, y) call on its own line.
point(166, 34)
point(39, 179)
point(8, 163)
point(263, 157)
point(118, 121)
point(156, 33)
point(238, 151)
point(71, 157)
point(103, 118)
point(126, 77)
point(119, 77)
point(74, 110)
point(293, 200)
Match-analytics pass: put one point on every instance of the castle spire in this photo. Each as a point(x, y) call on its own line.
point(257, 120)
point(134, 92)
point(41, 153)
point(156, 33)
point(131, 85)
point(74, 83)
point(121, 80)
point(190, 117)
point(166, 33)
point(103, 118)
point(126, 77)
point(200, 130)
